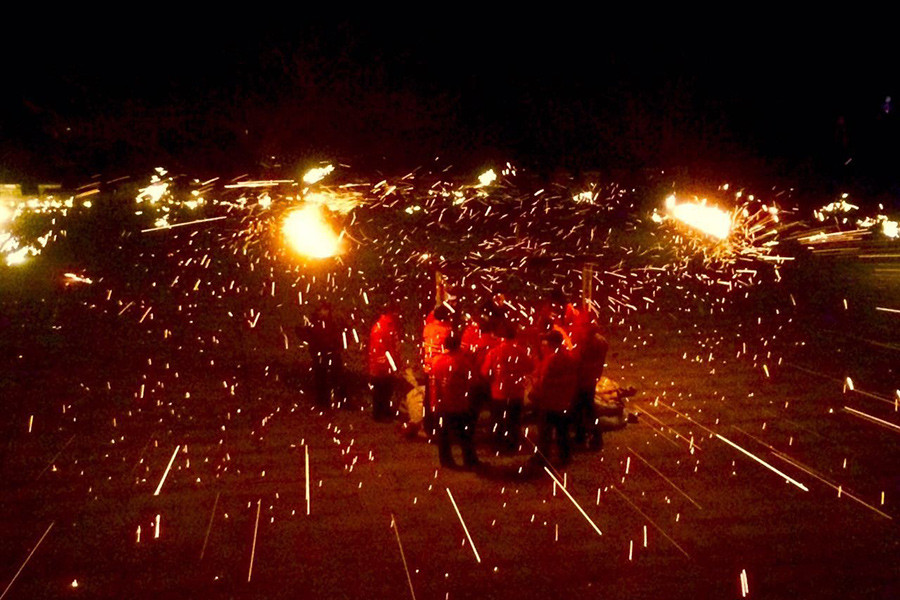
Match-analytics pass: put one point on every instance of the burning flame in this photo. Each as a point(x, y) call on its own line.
point(309, 234)
point(708, 219)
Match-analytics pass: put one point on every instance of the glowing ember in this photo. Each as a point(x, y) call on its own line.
point(317, 174)
point(708, 219)
point(17, 257)
point(889, 228)
point(309, 234)
point(487, 178)
point(155, 191)
point(71, 278)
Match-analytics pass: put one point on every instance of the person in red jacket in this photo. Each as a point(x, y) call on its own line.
point(507, 366)
point(479, 341)
point(437, 329)
point(590, 348)
point(554, 395)
point(384, 364)
point(451, 376)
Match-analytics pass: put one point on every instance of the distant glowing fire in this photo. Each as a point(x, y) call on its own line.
point(701, 216)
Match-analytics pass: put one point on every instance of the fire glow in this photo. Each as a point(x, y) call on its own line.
point(308, 233)
point(709, 219)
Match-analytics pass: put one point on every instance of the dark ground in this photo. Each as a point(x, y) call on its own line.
point(110, 403)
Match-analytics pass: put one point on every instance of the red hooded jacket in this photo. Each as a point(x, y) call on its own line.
point(383, 340)
point(433, 337)
point(506, 366)
point(557, 381)
point(451, 376)
point(590, 352)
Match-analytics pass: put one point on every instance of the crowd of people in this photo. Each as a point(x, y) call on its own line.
point(475, 363)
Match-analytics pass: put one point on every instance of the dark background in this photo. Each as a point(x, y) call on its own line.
point(742, 93)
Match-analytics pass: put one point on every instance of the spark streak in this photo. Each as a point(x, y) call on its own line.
point(166, 474)
point(306, 455)
point(253, 548)
point(466, 529)
point(212, 516)
point(651, 521)
point(764, 463)
point(666, 479)
point(575, 502)
point(869, 417)
point(30, 554)
point(184, 224)
point(403, 556)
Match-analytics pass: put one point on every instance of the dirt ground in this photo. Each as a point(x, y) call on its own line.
point(156, 430)
point(683, 512)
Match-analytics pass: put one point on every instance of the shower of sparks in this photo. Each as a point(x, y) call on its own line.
point(463, 523)
point(213, 303)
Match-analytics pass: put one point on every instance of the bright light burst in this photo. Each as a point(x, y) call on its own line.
point(153, 192)
point(889, 228)
point(487, 178)
point(709, 219)
point(317, 174)
point(308, 233)
point(17, 257)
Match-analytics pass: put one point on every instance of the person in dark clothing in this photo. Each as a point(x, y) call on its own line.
point(450, 407)
point(325, 341)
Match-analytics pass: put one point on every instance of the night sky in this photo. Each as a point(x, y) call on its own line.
point(763, 91)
